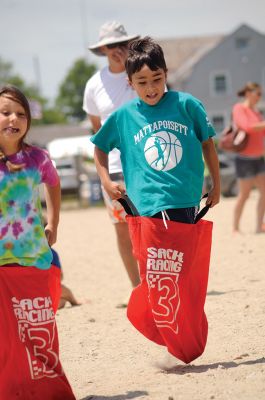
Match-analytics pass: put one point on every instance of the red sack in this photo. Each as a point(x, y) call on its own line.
point(29, 348)
point(168, 306)
point(55, 286)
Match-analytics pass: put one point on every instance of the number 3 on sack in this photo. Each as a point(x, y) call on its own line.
point(43, 361)
point(164, 297)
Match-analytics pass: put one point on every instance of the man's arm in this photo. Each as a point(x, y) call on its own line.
point(115, 190)
point(95, 122)
point(212, 162)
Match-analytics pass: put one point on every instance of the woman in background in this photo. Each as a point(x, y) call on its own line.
point(249, 163)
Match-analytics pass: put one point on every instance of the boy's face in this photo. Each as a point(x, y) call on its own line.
point(149, 85)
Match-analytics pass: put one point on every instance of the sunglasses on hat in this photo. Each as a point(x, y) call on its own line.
point(119, 44)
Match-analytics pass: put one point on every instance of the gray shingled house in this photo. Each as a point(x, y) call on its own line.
point(213, 68)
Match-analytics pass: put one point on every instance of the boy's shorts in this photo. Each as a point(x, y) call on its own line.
point(116, 211)
point(184, 215)
point(247, 168)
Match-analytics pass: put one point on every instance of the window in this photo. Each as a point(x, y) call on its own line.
point(242, 42)
point(220, 84)
point(218, 123)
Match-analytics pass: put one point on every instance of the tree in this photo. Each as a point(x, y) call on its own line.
point(71, 90)
point(8, 76)
point(49, 115)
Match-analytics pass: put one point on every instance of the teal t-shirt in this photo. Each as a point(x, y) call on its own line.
point(161, 150)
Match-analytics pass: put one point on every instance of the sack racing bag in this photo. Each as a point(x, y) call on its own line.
point(168, 305)
point(29, 348)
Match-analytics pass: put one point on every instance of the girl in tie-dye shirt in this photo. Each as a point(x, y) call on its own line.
point(23, 168)
point(29, 284)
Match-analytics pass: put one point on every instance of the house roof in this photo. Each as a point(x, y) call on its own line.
point(182, 54)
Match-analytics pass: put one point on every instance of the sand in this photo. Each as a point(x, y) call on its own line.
point(104, 356)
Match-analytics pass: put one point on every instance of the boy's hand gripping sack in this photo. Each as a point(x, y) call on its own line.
point(168, 306)
point(29, 348)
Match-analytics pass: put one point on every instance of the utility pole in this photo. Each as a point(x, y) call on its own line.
point(36, 67)
point(83, 17)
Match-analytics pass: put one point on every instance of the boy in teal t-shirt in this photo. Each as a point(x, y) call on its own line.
point(162, 137)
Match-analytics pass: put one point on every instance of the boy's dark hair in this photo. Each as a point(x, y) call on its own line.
point(142, 52)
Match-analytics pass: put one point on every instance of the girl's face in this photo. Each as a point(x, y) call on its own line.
point(149, 85)
point(13, 122)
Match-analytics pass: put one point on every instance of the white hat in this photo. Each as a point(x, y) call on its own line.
point(110, 33)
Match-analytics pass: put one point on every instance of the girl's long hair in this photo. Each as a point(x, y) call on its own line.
point(14, 94)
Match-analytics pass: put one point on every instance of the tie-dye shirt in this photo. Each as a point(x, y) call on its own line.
point(22, 236)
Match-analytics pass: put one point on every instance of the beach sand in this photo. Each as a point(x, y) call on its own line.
point(103, 355)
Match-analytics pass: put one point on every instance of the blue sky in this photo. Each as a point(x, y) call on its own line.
point(43, 38)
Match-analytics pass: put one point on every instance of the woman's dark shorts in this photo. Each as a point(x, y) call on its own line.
point(247, 168)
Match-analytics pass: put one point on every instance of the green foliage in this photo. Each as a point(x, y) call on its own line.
point(49, 115)
point(7, 76)
point(71, 90)
point(69, 101)
point(5, 71)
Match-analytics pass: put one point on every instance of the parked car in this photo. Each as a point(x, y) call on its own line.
point(68, 173)
point(227, 176)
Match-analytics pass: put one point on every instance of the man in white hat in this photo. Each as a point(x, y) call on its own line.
point(107, 90)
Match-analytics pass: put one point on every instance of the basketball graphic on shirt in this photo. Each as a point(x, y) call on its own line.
point(163, 151)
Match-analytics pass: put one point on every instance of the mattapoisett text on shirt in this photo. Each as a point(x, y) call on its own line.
point(161, 150)
point(22, 236)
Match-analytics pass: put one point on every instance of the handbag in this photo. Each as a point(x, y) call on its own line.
point(168, 305)
point(233, 139)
